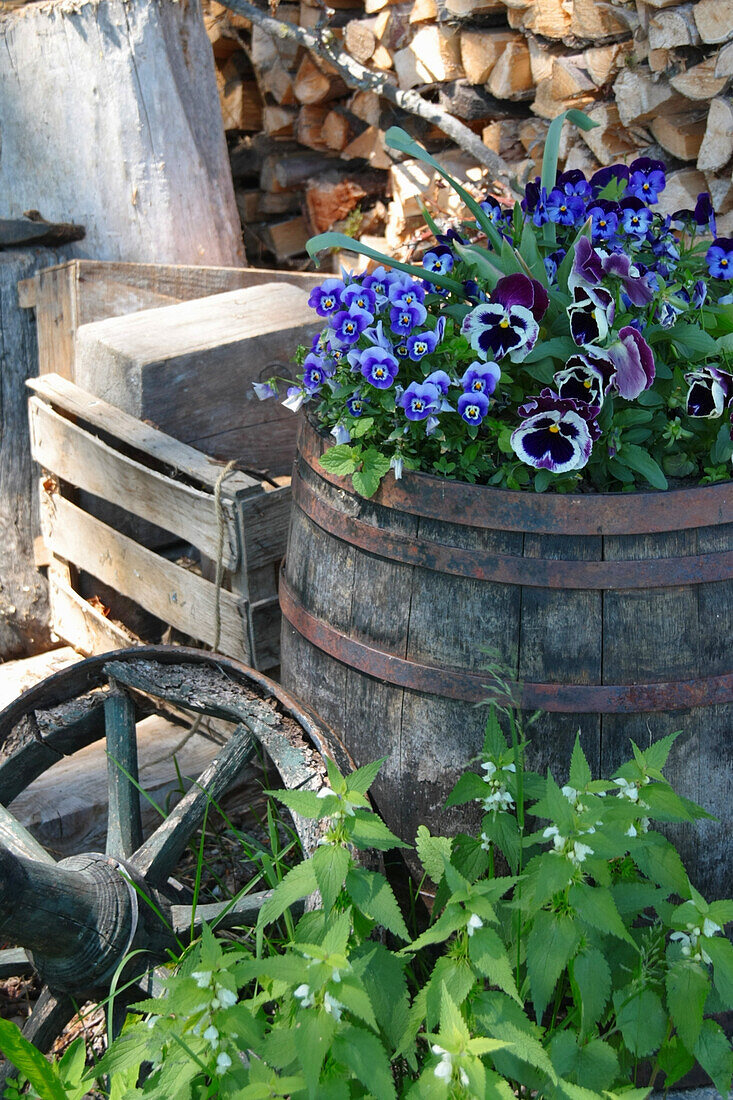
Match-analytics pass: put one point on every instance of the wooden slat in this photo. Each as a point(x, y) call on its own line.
point(78, 623)
point(124, 820)
point(265, 522)
point(179, 597)
point(99, 414)
point(80, 458)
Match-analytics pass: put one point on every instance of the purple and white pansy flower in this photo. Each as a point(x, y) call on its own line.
point(557, 434)
point(633, 363)
point(711, 389)
point(326, 298)
point(508, 324)
point(473, 407)
point(420, 344)
point(581, 379)
point(379, 366)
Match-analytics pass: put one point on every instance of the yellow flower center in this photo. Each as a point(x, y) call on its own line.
point(554, 428)
point(587, 384)
point(504, 323)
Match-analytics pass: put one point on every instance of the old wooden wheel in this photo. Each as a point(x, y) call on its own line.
point(74, 920)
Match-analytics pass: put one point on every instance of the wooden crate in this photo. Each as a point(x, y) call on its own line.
point(95, 451)
point(82, 291)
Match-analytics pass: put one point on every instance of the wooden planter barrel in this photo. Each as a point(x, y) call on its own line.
point(613, 611)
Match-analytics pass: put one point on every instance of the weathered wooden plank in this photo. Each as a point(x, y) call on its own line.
point(265, 520)
point(23, 756)
point(13, 962)
point(160, 447)
point(78, 622)
point(124, 822)
point(82, 291)
point(179, 365)
point(177, 596)
point(90, 464)
point(19, 232)
point(16, 838)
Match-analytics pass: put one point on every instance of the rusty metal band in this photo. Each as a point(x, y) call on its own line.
point(474, 687)
point(538, 513)
point(457, 561)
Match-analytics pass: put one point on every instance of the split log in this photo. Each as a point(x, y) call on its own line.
point(714, 19)
point(681, 191)
point(717, 145)
point(360, 39)
point(424, 11)
point(451, 10)
point(547, 18)
point(369, 146)
point(392, 27)
point(332, 197)
point(658, 60)
point(241, 102)
point(700, 82)
point(639, 98)
point(313, 85)
point(285, 239)
point(673, 27)
point(595, 21)
point(603, 62)
point(277, 83)
point(480, 51)
point(570, 80)
point(609, 142)
point(503, 137)
point(146, 162)
point(279, 122)
point(472, 103)
point(382, 58)
point(724, 64)
point(437, 53)
point(680, 135)
point(309, 130)
point(366, 106)
point(511, 77)
point(337, 131)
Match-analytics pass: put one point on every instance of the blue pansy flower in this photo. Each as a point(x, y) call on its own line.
point(420, 400)
point(604, 221)
point(699, 294)
point(481, 377)
point(603, 177)
point(361, 296)
point(540, 214)
point(646, 179)
point(263, 390)
point(438, 260)
point(326, 298)
point(348, 325)
point(473, 407)
point(379, 281)
point(574, 183)
point(406, 292)
point(719, 258)
point(636, 218)
point(314, 372)
point(440, 379)
point(379, 367)
point(404, 318)
point(564, 209)
point(356, 404)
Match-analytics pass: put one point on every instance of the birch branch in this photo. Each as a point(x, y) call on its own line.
point(325, 44)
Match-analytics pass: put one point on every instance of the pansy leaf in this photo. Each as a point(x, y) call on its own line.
point(481, 263)
point(722, 449)
point(530, 253)
point(559, 348)
point(637, 459)
point(341, 460)
point(339, 240)
point(563, 271)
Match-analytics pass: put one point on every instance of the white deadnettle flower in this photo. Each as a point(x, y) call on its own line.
point(444, 1068)
point(499, 799)
point(212, 1036)
point(202, 978)
point(558, 840)
point(709, 927)
point(474, 922)
point(333, 1006)
point(325, 792)
point(225, 996)
point(571, 794)
point(463, 1076)
point(489, 767)
point(578, 852)
point(152, 1021)
point(304, 995)
point(223, 1062)
point(485, 842)
point(336, 976)
point(627, 790)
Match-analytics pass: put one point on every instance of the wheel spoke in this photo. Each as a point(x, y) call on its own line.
point(13, 963)
point(16, 838)
point(50, 1015)
point(225, 914)
point(158, 855)
point(124, 821)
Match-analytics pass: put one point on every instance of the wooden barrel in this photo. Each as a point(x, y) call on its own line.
point(613, 611)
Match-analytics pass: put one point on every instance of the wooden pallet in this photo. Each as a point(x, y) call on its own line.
point(93, 449)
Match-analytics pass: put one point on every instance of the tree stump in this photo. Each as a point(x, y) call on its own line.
point(110, 118)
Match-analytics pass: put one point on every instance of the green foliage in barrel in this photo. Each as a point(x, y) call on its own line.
point(578, 341)
point(566, 955)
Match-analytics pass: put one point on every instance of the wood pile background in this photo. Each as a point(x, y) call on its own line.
point(308, 153)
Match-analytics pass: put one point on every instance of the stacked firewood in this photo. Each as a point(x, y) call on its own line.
point(655, 76)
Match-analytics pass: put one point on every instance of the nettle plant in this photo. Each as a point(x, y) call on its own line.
point(579, 341)
point(566, 956)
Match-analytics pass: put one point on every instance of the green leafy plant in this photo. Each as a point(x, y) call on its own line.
point(567, 955)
